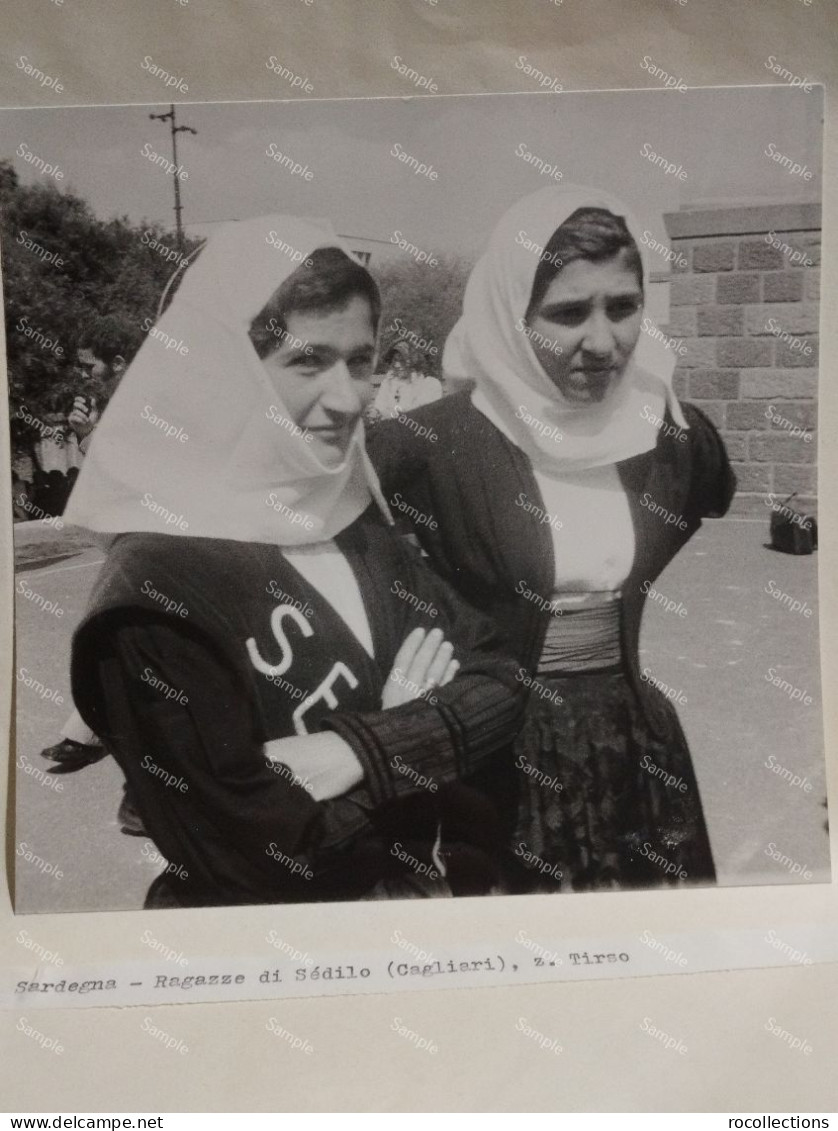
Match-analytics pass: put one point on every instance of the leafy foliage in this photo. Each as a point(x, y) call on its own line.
point(426, 300)
point(108, 281)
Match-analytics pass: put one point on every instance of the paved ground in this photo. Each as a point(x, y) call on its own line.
point(717, 655)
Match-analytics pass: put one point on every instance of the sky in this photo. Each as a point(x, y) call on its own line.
point(717, 135)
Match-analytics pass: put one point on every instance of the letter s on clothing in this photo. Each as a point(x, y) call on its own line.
point(278, 631)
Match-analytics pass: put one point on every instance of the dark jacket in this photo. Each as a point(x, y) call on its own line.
point(464, 485)
point(191, 697)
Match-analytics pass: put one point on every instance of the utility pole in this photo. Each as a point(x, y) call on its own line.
point(176, 129)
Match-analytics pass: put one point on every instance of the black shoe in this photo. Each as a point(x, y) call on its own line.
point(71, 755)
point(130, 821)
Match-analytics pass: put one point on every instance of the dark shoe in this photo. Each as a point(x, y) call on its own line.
point(71, 755)
point(130, 821)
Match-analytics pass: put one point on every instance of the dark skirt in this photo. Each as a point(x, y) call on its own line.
point(605, 804)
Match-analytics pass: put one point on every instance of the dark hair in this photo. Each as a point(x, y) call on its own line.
point(588, 233)
point(400, 349)
point(324, 282)
point(111, 336)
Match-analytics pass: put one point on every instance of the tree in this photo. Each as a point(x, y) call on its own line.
point(94, 283)
point(423, 301)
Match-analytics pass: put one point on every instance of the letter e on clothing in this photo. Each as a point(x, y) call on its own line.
point(323, 691)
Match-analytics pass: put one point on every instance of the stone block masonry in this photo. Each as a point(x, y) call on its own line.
point(748, 311)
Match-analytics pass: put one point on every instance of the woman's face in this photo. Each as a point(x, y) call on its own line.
point(325, 384)
point(586, 326)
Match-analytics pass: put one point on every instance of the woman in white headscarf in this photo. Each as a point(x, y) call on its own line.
point(562, 486)
point(295, 700)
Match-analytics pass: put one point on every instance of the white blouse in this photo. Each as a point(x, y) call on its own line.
point(594, 545)
point(324, 566)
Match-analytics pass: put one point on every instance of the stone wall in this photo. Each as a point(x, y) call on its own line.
point(727, 303)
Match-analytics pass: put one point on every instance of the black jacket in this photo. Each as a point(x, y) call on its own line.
point(465, 484)
point(189, 698)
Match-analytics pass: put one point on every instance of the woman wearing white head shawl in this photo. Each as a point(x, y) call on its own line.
point(265, 659)
point(562, 485)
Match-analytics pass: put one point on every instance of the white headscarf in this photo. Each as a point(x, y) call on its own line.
point(240, 474)
point(486, 347)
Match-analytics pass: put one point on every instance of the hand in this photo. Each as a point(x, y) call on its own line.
point(325, 764)
point(422, 663)
point(80, 419)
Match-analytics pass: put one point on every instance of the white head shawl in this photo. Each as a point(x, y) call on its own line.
point(239, 475)
point(486, 346)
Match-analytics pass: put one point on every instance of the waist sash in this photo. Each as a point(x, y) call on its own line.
point(583, 634)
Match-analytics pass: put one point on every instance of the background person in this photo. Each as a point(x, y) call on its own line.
point(79, 746)
point(539, 486)
point(276, 755)
point(405, 385)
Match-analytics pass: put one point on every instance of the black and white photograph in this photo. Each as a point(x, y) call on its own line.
point(415, 498)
